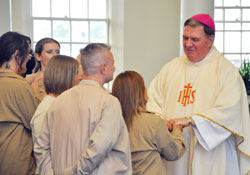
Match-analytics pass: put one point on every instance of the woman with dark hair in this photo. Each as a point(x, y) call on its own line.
point(31, 62)
point(150, 140)
point(17, 106)
point(30, 66)
point(61, 73)
point(45, 49)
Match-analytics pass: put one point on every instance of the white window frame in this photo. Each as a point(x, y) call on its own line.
point(21, 20)
point(51, 19)
point(223, 21)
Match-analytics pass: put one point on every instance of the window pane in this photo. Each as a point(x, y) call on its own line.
point(65, 49)
point(61, 31)
point(234, 58)
point(98, 31)
point(41, 29)
point(218, 42)
point(41, 8)
point(245, 57)
point(232, 26)
point(217, 3)
point(218, 14)
point(76, 49)
point(218, 26)
point(78, 9)
point(245, 2)
point(232, 3)
point(246, 15)
point(232, 42)
point(97, 9)
point(80, 31)
point(245, 42)
point(232, 14)
point(60, 8)
point(246, 26)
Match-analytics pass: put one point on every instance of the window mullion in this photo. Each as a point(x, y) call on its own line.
point(72, 39)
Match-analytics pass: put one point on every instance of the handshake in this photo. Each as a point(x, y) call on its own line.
point(179, 123)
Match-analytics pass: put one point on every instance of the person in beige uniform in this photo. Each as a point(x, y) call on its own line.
point(17, 106)
point(84, 131)
point(61, 73)
point(45, 49)
point(151, 142)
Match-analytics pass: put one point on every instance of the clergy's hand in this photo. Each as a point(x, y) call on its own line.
point(184, 122)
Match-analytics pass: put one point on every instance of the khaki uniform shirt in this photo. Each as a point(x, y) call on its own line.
point(17, 106)
point(152, 144)
point(84, 132)
point(37, 84)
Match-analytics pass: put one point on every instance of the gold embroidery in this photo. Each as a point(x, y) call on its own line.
point(192, 152)
point(231, 132)
point(228, 130)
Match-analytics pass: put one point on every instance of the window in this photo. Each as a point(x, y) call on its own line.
point(232, 23)
point(73, 23)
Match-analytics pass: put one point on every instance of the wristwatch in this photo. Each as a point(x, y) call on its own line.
point(189, 120)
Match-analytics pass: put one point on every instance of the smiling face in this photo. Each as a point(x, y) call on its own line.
point(49, 50)
point(196, 43)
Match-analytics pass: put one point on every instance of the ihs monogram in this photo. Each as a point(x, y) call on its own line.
point(187, 95)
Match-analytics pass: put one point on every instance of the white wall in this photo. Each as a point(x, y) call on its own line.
point(192, 7)
point(5, 16)
point(117, 33)
point(17, 18)
point(151, 35)
point(146, 34)
point(21, 17)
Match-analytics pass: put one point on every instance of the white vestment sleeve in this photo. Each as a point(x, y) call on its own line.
point(209, 134)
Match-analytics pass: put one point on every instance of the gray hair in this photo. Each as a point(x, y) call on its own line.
point(90, 59)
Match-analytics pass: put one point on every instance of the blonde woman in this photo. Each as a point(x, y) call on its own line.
point(45, 49)
point(61, 74)
point(151, 142)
